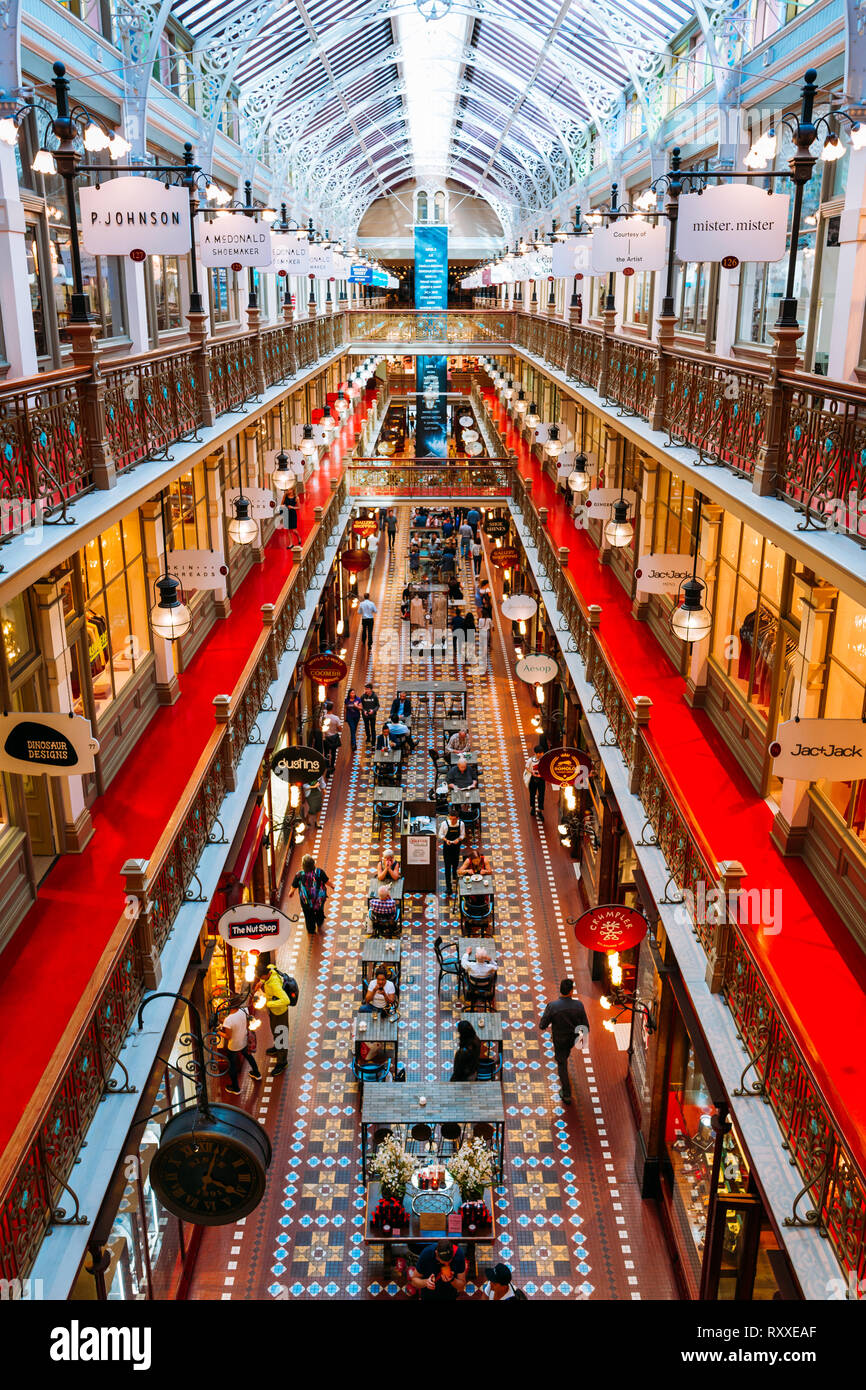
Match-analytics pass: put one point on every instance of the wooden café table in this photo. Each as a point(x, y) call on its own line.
point(439, 689)
point(388, 1106)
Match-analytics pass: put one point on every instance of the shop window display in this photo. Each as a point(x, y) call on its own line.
point(187, 511)
point(748, 643)
point(689, 1140)
point(116, 612)
point(845, 698)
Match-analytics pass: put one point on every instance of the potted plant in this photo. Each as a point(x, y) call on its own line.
point(393, 1167)
point(472, 1169)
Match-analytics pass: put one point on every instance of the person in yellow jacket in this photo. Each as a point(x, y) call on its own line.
point(269, 983)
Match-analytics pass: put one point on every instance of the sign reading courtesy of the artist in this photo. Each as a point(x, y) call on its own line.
point(610, 927)
point(298, 764)
point(255, 925)
point(628, 243)
point(732, 220)
point(262, 502)
point(235, 239)
point(131, 214)
point(663, 574)
point(811, 749)
point(199, 569)
point(57, 744)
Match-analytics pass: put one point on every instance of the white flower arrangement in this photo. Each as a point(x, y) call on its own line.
point(472, 1167)
point(392, 1166)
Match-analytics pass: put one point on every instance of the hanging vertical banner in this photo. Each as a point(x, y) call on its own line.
point(431, 267)
point(431, 407)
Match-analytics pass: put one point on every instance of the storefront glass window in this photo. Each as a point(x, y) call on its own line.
point(187, 515)
point(638, 298)
point(18, 642)
point(747, 643)
point(166, 291)
point(674, 515)
point(116, 616)
point(844, 698)
point(689, 1140)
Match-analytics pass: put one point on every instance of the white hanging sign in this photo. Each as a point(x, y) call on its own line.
point(737, 220)
point(235, 240)
point(809, 749)
point(601, 499)
point(320, 262)
point(59, 745)
point(565, 464)
point(134, 214)
point(663, 574)
point(262, 502)
point(254, 926)
point(199, 569)
point(289, 254)
point(628, 243)
point(537, 670)
point(583, 255)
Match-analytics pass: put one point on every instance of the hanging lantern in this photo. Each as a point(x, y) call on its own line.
point(341, 405)
point(283, 476)
point(532, 416)
point(618, 531)
point(520, 403)
point(578, 479)
point(552, 444)
point(169, 618)
point(307, 446)
point(242, 528)
point(691, 620)
point(326, 424)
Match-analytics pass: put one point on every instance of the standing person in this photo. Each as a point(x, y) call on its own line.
point(368, 611)
point(392, 529)
point(473, 516)
point(314, 793)
point(369, 710)
point(401, 706)
point(466, 535)
point(352, 711)
point(499, 1285)
point(311, 883)
point(452, 833)
point(439, 616)
point(534, 782)
point(467, 1055)
point(383, 517)
point(373, 548)
point(477, 554)
point(289, 505)
point(235, 1029)
point(564, 1016)
point(484, 638)
point(332, 726)
point(270, 982)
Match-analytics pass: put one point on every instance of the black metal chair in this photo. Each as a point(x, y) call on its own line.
point(477, 917)
point(448, 964)
point(386, 927)
point(420, 1139)
point(450, 1134)
point(489, 1068)
point(480, 993)
point(369, 1071)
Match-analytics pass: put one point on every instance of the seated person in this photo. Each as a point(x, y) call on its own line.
point(458, 624)
point(446, 562)
point(414, 557)
point(459, 742)
point(383, 740)
point(440, 1273)
point(388, 870)
point(474, 863)
point(478, 963)
point(400, 736)
point(468, 1054)
point(380, 995)
point(455, 590)
point(383, 908)
point(462, 777)
point(401, 706)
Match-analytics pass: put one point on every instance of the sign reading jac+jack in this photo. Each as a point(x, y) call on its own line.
point(810, 749)
point(134, 214)
point(739, 221)
point(663, 574)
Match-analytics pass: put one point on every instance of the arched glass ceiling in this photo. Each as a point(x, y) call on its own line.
point(497, 94)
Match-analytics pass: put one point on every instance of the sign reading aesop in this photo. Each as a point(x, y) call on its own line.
point(129, 213)
point(809, 749)
point(235, 240)
point(59, 745)
point(536, 669)
point(298, 765)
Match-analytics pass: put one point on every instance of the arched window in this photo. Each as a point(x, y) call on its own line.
point(439, 206)
point(421, 206)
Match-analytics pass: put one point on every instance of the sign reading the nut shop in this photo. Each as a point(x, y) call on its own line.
point(564, 766)
point(610, 927)
point(298, 765)
point(255, 925)
point(325, 668)
point(355, 560)
point(506, 557)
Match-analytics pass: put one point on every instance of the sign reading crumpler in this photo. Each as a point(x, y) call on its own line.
point(610, 927)
point(235, 240)
point(127, 214)
point(663, 574)
point(298, 765)
point(809, 749)
point(727, 221)
point(60, 745)
point(253, 924)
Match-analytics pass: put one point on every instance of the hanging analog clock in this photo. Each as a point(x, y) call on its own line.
point(211, 1169)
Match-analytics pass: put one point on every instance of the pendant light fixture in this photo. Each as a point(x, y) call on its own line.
point(283, 476)
point(532, 416)
point(553, 443)
point(341, 405)
point(619, 530)
point(307, 445)
point(327, 424)
point(242, 529)
point(169, 617)
point(520, 403)
point(690, 620)
point(578, 478)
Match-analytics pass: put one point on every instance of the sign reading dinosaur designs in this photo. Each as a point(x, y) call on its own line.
point(809, 749)
point(60, 745)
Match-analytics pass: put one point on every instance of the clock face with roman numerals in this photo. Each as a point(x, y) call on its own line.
point(208, 1177)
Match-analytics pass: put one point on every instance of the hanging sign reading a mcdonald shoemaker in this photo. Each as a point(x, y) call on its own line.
point(60, 745)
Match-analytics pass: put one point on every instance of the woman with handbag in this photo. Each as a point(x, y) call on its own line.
point(239, 1042)
point(311, 884)
point(534, 783)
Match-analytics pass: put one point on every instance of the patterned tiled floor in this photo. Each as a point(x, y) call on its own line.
point(570, 1220)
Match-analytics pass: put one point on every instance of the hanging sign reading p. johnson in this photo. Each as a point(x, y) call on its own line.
point(811, 749)
point(235, 240)
point(60, 745)
point(134, 214)
point(732, 220)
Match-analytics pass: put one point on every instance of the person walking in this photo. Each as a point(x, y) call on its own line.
point(352, 711)
point(373, 548)
point(311, 883)
point(452, 833)
point(289, 507)
point(368, 611)
point(270, 982)
point(565, 1017)
point(477, 554)
point(466, 535)
point(391, 524)
point(369, 710)
point(235, 1028)
point(332, 727)
point(534, 782)
point(314, 795)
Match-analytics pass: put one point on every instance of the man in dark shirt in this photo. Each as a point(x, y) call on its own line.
point(462, 777)
point(440, 1272)
point(401, 706)
point(369, 706)
point(563, 1016)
